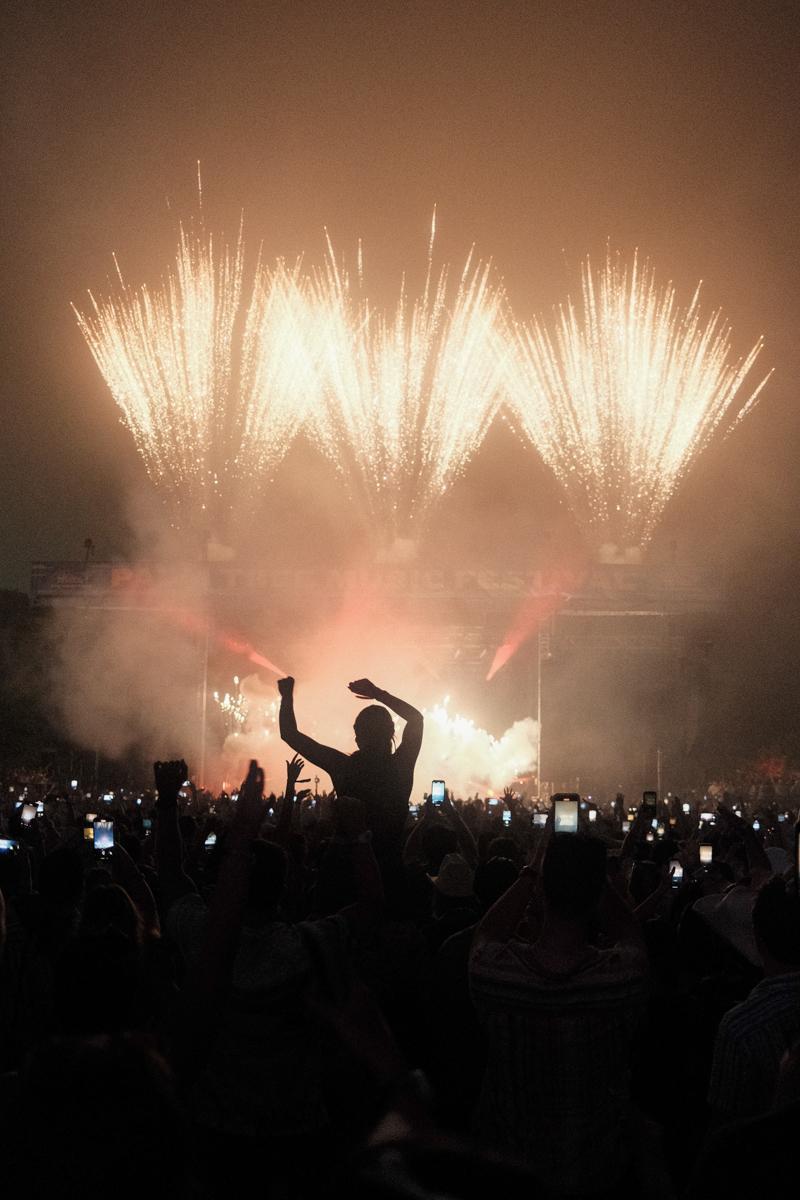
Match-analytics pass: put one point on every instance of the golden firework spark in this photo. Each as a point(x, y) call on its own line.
point(625, 396)
point(166, 355)
point(407, 398)
point(280, 376)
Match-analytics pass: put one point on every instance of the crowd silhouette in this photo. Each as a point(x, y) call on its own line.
point(344, 992)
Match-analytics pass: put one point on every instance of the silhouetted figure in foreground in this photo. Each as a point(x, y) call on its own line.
point(560, 1012)
point(382, 779)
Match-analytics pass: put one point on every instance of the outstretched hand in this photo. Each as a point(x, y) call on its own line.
point(730, 823)
point(365, 689)
point(538, 850)
point(293, 772)
point(170, 778)
point(251, 805)
point(286, 687)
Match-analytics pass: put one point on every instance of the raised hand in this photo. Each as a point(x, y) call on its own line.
point(251, 805)
point(170, 778)
point(730, 823)
point(537, 852)
point(364, 689)
point(286, 687)
point(293, 771)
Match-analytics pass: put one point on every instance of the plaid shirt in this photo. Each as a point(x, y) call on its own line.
point(751, 1041)
point(555, 1092)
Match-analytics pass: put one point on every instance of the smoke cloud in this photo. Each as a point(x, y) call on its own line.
point(454, 748)
point(126, 676)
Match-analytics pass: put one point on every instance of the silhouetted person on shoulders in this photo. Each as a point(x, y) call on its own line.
point(376, 775)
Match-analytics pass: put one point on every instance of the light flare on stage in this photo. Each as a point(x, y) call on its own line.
point(625, 395)
point(469, 758)
point(244, 708)
point(454, 747)
point(552, 593)
point(232, 705)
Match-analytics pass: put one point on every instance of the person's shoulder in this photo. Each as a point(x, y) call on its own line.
point(619, 960)
point(623, 958)
point(768, 999)
point(406, 754)
point(737, 1024)
point(511, 957)
point(186, 915)
point(334, 930)
point(618, 973)
point(190, 904)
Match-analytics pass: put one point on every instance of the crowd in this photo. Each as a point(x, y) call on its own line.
point(340, 992)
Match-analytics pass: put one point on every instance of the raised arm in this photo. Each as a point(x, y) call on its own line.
point(172, 879)
point(129, 877)
point(203, 995)
point(500, 923)
point(321, 756)
point(412, 734)
point(213, 969)
point(466, 842)
point(284, 827)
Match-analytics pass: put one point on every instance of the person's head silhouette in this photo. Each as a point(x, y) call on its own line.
point(374, 730)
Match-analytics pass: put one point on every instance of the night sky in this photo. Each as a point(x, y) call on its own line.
point(542, 132)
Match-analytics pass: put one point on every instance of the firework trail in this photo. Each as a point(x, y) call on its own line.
point(280, 379)
point(623, 398)
point(407, 397)
point(167, 358)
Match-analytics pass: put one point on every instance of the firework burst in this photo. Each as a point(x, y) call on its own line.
point(624, 397)
point(167, 357)
point(280, 380)
point(406, 398)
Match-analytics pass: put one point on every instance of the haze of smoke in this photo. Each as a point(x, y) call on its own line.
point(120, 684)
point(368, 640)
point(128, 678)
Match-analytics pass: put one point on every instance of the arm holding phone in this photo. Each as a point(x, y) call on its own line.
point(502, 920)
point(209, 976)
point(412, 850)
point(758, 864)
point(500, 923)
point(466, 842)
point(128, 876)
point(636, 835)
point(173, 880)
point(619, 922)
point(212, 971)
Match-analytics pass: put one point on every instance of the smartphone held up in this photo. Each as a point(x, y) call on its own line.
point(650, 801)
point(103, 836)
point(565, 812)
